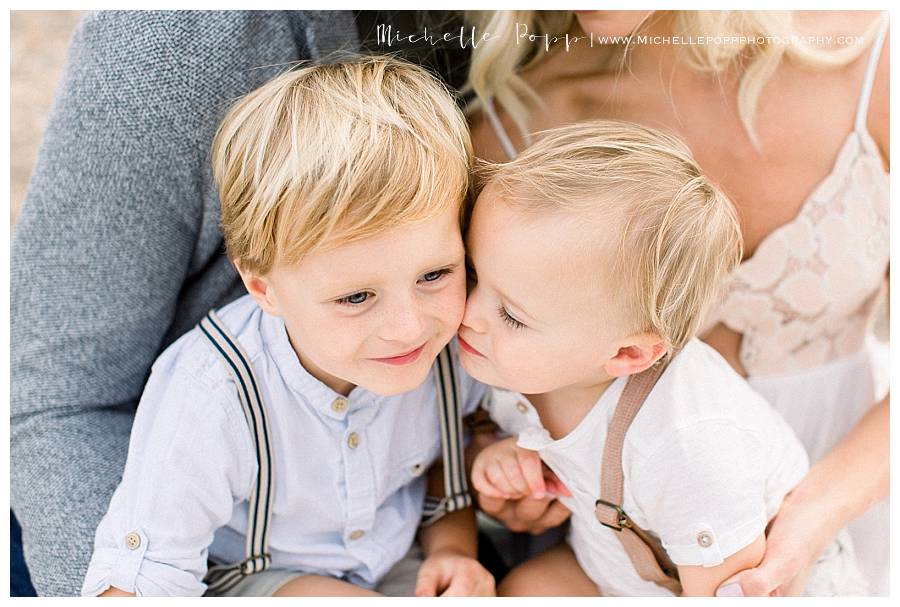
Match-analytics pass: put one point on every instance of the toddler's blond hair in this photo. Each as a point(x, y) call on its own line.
point(678, 235)
point(332, 153)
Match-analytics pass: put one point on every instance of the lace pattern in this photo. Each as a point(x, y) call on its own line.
point(809, 293)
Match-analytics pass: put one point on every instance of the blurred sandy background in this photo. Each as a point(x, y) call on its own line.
point(38, 43)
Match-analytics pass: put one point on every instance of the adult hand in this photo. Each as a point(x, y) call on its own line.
point(526, 514)
point(795, 538)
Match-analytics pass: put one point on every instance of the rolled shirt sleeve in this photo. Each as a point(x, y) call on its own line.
point(702, 491)
point(190, 459)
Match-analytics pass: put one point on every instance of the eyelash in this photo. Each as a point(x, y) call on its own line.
point(441, 275)
point(512, 322)
point(345, 301)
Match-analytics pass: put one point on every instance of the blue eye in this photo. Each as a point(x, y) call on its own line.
point(355, 299)
point(512, 322)
point(436, 275)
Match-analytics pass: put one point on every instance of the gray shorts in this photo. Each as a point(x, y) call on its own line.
point(399, 581)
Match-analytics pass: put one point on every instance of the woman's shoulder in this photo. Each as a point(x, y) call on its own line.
point(838, 32)
point(827, 26)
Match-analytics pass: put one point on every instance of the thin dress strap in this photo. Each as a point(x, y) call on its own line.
point(502, 135)
point(866, 94)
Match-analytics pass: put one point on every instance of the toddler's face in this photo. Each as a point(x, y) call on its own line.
point(538, 316)
point(376, 312)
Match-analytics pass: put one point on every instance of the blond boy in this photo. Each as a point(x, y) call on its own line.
point(342, 189)
point(597, 252)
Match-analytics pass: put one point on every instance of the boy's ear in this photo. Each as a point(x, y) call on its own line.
point(636, 354)
point(259, 288)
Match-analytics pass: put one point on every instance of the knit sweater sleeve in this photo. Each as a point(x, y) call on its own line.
point(119, 223)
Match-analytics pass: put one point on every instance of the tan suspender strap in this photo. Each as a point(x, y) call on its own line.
point(646, 553)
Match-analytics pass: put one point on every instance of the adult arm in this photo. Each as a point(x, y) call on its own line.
point(116, 252)
point(833, 493)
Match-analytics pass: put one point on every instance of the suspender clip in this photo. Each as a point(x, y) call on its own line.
point(255, 564)
point(622, 519)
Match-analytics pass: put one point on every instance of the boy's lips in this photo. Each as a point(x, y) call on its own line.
point(467, 347)
point(402, 359)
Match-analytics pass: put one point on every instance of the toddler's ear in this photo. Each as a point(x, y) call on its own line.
point(635, 355)
point(259, 288)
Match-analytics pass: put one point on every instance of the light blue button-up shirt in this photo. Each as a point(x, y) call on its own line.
point(344, 508)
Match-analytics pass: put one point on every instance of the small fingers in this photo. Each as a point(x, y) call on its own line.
point(490, 504)
point(530, 510)
point(482, 483)
point(555, 515)
point(497, 477)
point(514, 476)
point(532, 472)
point(553, 483)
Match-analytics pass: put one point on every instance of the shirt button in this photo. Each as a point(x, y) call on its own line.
point(353, 440)
point(357, 534)
point(133, 541)
point(339, 405)
point(522, 407)
point(705, 539)
point(417, 469)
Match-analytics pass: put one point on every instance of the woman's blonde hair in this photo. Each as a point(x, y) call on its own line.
point(678, 236)
point(337, 152)
point(495, 63)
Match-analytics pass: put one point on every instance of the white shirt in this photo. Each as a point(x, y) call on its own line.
point(705, 455)
point(339, 510)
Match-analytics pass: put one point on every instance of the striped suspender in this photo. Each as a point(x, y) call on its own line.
point(223, 577)
point(259, 513)
point(646, 553)
point(456, 490)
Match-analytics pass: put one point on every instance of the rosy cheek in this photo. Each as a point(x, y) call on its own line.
point(453, 303)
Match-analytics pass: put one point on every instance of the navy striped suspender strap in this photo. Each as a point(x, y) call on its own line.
point(222, 577)
point(456, 490)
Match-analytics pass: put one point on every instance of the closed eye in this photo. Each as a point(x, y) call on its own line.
point(508, 319)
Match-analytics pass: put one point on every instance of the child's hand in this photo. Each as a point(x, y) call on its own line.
point(504, 470)
point(451, 573)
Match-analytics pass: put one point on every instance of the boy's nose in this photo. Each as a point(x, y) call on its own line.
point(404, 324)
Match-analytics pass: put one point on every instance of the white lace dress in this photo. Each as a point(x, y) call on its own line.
point(805, 303)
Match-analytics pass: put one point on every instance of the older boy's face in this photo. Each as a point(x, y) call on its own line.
point(375, 312)
point(538, 316)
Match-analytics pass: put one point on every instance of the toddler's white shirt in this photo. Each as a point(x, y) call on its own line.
point(706, 462)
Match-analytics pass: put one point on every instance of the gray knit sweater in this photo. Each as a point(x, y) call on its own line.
point(118, 249)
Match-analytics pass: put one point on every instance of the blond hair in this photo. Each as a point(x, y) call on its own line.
point(494, 67)
point(334, 153)
point(679, 236)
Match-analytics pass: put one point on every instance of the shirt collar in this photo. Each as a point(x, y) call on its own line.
point(307, 388)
